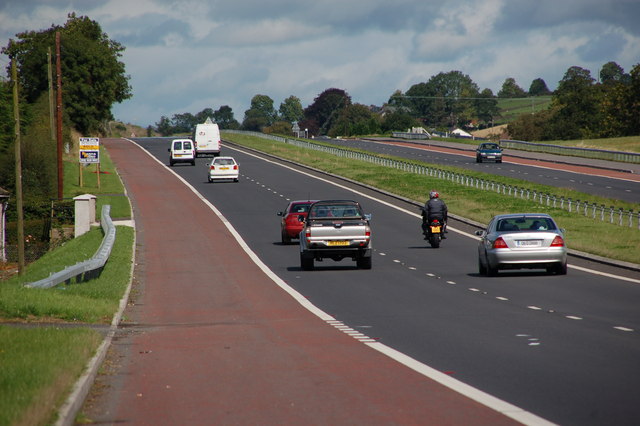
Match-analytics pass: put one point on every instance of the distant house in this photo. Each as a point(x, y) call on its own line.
point(461, 133)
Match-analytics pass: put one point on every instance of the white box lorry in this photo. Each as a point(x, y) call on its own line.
point(206, 137)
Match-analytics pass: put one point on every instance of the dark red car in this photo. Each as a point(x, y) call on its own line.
point(290, 225)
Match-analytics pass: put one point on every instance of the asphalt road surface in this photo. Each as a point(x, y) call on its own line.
point(564, 348)
point(617, 181)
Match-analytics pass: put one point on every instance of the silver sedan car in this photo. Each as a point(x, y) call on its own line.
point(522, 240)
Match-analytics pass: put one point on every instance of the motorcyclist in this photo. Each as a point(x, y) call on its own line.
point(434, 208)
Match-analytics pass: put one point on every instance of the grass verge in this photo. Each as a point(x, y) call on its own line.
point(583, 233)
point(94, 301)
point(41, 356)
point(39, 368)
point(110, 191)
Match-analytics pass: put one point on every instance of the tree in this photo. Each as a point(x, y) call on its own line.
point(620, 105)
point(260, 114)
point(202, 116)
point(93, 78)
point(446, 100)
point(399, 122)
point(224, 118)
point(611, 73)
point(511, 90)
point(576, 102)
point(531, 127)
point(291, 109)
point(487, 107)
point(164, 126)
point(539, 88)
point(183, 123)
point(355, 119)
point(325, 108)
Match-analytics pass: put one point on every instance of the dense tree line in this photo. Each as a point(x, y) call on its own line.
point(581, 107)
point(584, 108)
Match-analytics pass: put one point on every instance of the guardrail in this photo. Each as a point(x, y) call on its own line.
point(407, 135)
point(593, 153)
point(608, 214)
point(89, 268)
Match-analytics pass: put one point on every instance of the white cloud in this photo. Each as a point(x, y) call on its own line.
point(187, 55)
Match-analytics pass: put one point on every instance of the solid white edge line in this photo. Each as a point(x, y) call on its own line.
point(477, 395)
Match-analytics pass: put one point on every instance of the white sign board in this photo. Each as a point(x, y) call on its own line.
point(89, 150)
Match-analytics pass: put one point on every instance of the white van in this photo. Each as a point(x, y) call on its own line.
point(207, 138)
point(182, 151)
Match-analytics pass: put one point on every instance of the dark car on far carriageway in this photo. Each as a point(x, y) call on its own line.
point(488, 151)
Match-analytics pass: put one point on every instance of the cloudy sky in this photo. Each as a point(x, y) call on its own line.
point(187, 55)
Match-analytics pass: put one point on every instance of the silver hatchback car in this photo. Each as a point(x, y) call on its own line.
point(522, 240)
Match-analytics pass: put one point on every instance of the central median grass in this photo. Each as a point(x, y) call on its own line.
point(47, 335)
point(583, 233)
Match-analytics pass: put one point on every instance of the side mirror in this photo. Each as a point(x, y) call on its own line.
point(368, 216)
point(301, 219)
point(169, 149)
point(480, 233)
point(280, 213)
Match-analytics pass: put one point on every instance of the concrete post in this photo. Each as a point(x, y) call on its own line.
point(85, 213)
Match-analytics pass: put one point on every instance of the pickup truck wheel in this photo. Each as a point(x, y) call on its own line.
point(363, 262)
point(306, 263)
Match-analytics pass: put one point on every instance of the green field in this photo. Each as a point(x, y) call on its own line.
point(510, 109)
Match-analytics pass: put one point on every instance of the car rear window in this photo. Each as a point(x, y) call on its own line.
point(177, 145)
point(527, 224)
point(223, 161)
point(300, 208)
point(343, 211)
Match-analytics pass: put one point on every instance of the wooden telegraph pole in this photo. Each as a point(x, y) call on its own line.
point(59, 115)
point(18, 156)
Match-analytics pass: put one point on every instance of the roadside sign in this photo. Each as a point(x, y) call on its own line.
point(89, 150)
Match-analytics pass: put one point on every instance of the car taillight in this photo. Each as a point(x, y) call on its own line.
point(557, 242)
point(235, 167)
point(499, 243)
point(307, 234)
point(212, 167)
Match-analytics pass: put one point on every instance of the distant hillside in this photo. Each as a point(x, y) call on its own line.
point(510, 109)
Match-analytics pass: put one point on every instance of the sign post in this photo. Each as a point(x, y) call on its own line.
point(89, 152)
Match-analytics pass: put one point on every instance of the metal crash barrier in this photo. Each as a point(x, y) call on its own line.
point(90, 268)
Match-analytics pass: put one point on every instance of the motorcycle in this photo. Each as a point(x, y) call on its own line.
point(434, 231)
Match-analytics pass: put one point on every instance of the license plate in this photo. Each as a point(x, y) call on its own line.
point(224, 168)
point(435, 229)
point(338, 243)
point(491, 156)
point(178, 155)
point(529, 243)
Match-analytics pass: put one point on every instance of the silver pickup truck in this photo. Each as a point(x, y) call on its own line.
point(335, 229)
